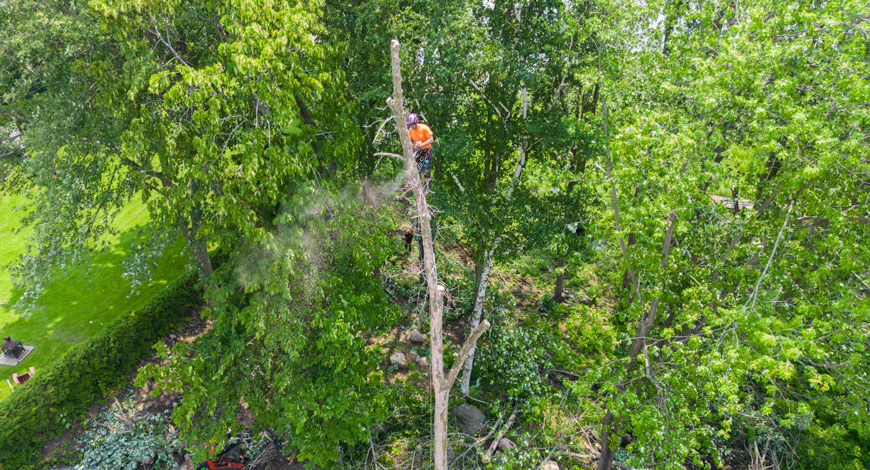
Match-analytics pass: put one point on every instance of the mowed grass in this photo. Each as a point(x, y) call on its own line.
point(78, 303)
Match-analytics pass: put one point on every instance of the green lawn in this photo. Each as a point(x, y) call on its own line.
point(76, 304)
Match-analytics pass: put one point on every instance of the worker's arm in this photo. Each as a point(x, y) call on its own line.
point(419, 145)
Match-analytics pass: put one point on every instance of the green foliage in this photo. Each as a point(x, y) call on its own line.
point(207, 110)
point(120, 437)
point(523, 456)
point(292, 326)
point(56, 398)
point(512, 361)
point(589, 331)
point(831, 446)
point(750, 325)
point(752, 307)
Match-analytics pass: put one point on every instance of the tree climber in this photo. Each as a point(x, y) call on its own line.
point(421, 142)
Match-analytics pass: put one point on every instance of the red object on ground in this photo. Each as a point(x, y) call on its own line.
point(221, 464)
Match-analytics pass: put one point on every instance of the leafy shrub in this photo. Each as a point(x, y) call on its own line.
point(54, 399)
point(589, 332)
point(512, 361)
point(122, 438)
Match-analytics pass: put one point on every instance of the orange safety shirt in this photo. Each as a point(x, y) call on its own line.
point(421, 134)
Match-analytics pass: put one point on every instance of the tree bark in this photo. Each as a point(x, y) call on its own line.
point(477, 315)
point(198, 249)
point(559, 289)
point(441, 383)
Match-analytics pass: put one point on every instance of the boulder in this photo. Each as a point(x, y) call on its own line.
point(505, 444)
point(416, 336)
point(470, 418)
point(548, 465)
point(399, 360)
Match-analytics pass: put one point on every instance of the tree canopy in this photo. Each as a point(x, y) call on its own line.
point(706, 162)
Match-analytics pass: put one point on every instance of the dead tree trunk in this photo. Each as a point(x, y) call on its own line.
point(477, 314)
point(441, 383)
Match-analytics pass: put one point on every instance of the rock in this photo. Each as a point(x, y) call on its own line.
point(505, 444)
point(423, 362)
point(416, 336)
point(585, 300)
point(399, 360)
point(470, 418)
point(548, 465)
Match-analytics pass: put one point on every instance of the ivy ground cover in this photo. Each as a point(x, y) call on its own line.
point(76, 304)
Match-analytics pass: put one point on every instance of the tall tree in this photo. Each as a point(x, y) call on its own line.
point(441, 382)
point(733, 158)
point(292, 339)
point(201, 109)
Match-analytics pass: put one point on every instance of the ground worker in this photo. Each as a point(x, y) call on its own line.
point(421, 143)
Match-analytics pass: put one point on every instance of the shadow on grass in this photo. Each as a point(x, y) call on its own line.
point(80, 302)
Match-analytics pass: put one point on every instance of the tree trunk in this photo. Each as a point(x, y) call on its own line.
point(198, 249)
point(441, 384)
point(477, 315)
point(559, 290)
point(606, 459)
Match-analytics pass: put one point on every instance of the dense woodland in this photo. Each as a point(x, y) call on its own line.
point(653, 216)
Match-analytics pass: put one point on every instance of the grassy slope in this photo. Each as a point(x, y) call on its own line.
point(76, 304)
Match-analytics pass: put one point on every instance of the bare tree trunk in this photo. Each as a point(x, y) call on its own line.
point(441, 384)
point(477, 315)
point(559, 289)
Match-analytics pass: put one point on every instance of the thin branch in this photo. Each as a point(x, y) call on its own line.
point(388, 154)
point(380, 129)
point(494, 444)
point(456, 180)
point(754, 295)
point(166, 42)
point(465, 351)
point(485, 98)
point(5, 110)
